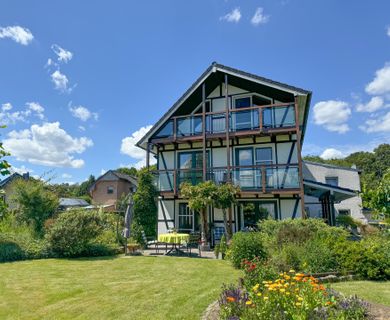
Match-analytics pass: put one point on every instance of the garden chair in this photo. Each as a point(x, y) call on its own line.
point(217, 234)
point(193, 242)
point(153, 242)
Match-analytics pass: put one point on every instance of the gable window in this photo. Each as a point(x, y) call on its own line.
point(333, 181)
point(110, 190)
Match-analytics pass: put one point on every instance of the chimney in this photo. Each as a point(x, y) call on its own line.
point(26, 176)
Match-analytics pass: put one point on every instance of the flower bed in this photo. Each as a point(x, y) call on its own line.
point(290, 296)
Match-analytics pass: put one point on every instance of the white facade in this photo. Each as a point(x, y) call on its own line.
point(348, 178)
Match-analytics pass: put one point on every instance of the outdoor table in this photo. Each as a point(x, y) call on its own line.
point(176, 239)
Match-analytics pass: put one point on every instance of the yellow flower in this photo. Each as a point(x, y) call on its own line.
point(256, 287)
point(298, 304)
point(287, 293)
point(292, 271)
point(265, 298)
point(259, 294)
point(248, 303)
point(300, 299)
point(264, 282)
point(282, 290)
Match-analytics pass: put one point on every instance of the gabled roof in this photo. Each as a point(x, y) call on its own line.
point(315, 188)
point(119, 175)
point(9, 179)
point(214, 67)
point(332, 166)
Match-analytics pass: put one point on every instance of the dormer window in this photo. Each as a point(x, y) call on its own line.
point(333, 181)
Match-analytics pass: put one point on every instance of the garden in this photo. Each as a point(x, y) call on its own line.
point(286, 266)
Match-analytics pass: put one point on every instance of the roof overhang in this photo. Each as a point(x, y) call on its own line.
point(318, 189)
point(238, 78)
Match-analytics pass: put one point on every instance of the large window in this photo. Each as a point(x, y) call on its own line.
point(190, 167)
point(188, 219)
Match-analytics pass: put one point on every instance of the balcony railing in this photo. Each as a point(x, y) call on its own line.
point(259, 178)
point(243, 119)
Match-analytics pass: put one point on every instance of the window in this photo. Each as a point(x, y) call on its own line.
point(242, 102)
point(333, 181)
point(110, 189)
point(264, 155)
point(344, 212)
point(188, 219)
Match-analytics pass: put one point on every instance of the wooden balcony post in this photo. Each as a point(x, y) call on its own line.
point(260, 119)
point(263, 181)
point(147, 155)
point(227, 125)
point(300, 173)
point(174, 129)
point(204, 131)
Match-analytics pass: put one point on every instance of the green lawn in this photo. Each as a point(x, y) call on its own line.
point(117, 288)
point(377, 292)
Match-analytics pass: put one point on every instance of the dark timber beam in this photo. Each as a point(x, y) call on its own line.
point(298, 143)
point(204, 130)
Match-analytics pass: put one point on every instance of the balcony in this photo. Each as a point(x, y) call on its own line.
point(259, 179)
point(245, 120)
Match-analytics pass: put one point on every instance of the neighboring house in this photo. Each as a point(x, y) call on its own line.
point(110, 187)
point(69, 203)
point(6, 186)
point(234, 126)
point(347, 179)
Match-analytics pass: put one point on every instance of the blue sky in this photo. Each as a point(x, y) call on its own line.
point(80, 80)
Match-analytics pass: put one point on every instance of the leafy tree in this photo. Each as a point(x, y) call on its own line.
point(378, 199)
point(35, 203)
point(4, 170)
point(84, 187)
point(145, 207)
point(223, 198)
point(129, 171)
point(199, 198)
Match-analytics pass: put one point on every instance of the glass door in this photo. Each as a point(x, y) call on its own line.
point(252, 212)
point(245, 177)
point(242, 119)
point(189, 220)
point(190, 167)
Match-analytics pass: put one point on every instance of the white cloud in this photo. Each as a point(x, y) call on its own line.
point(332, 153)
point(333, 115)
point(373, 105)
point(259, 17)
point(81, 128)
point(388, 31)
point(129, 148)
point(381, 82)
point(83, 113)
point(380, 124)
point(62, 54)
point(22, 169)
point(103, 171)
point(18, 34)
point(233, 16)
point(6, 106)
point(60, 81)
point(66, 176)
point(47, 145)
point(32, 109)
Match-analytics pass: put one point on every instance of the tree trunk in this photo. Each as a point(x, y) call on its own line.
point(225, 224)
point(204, 227)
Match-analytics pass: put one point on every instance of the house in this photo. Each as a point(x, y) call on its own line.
point(235, 126)
point(69, 203)
point(339, 177)
point(6, 186)
point(110, 187)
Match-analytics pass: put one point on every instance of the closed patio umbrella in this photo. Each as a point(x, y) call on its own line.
point(128, 220)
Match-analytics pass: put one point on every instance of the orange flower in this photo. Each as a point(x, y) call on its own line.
point(230, 299)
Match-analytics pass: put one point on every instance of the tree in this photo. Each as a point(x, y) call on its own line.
point(378, 199)
point(224, 197)
point(129, 171)
point(145, 207)
point(34, 202)
point(83, 189)
point(4, 170)
point(199, 198)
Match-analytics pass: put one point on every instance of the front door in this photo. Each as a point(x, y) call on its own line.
point(251, 212)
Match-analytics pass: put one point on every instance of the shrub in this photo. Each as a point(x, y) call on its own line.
point(73, 232)
point(246, 245)
point(17, 241)
point(35, 202)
